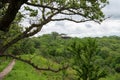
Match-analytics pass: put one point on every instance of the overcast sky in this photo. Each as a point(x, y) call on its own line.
point(108, 27)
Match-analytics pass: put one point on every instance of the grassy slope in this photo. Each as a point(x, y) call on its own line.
point(3, 63)
point(22, 71)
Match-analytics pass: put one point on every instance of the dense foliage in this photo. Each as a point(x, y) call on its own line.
point(104, 52)
point(86, 60)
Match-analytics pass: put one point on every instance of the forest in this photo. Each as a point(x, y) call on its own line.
point(86, 58)
point(55, 56)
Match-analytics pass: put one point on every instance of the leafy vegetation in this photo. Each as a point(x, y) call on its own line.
point(52, 50)
point(22, 71)
point(3, 63)
point(41, 13)
point(100, 56)
point(86, 60)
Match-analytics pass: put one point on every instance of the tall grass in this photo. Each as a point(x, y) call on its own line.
point(3, 63)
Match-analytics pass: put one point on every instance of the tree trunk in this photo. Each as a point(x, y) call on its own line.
point(14, 6)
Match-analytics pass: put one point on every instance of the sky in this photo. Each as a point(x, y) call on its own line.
point(109, 27)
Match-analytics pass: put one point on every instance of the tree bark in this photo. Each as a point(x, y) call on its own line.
point(14, 6)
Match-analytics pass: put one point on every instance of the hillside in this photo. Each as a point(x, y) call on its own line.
point(51, 50)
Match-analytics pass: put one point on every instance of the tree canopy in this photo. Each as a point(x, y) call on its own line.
point(41, 12)
point(87, 10)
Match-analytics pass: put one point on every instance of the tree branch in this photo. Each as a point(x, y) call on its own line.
point(33, 64)
point(68, 19)
point(28, 32)
point(21, 36)
point(43, 6)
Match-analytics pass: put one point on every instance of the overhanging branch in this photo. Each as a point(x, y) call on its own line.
point(68, 19)
point(43, 6)
point(29, 31)
point(33, 64)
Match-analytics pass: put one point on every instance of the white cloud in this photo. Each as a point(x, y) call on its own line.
point(89, 29)
point(113, 9)
point(107, 28)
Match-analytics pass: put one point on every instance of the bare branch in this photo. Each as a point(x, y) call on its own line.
point(43, 6)
point(68, 19)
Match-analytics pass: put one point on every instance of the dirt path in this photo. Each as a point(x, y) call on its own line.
point(7, 69)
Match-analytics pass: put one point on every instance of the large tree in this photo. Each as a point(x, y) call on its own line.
point(86, 60)
point(43, 12)
point(46, 11)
